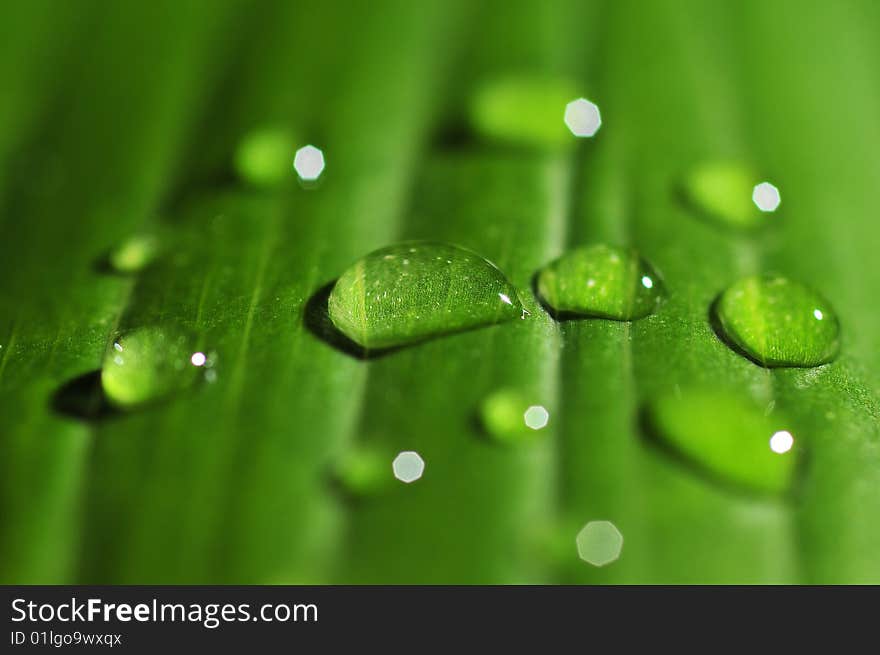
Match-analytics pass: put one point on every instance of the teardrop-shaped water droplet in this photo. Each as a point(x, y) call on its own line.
point(525, 111)
point(724, 192)
point(134, 254)
point(147, 364)
point(727, 436)
point(509, 416)
point(263, 157)
point(777, 322)
point(412, 291)
point(601, 281)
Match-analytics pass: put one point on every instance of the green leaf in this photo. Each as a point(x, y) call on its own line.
point(128, 121)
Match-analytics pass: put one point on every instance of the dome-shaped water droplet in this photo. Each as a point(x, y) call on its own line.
point(601, 281)
point(729, 193)
point(412, 291)
point(726, 436)
point(777, 322)
point(529, 111)
point(147, 364)
point(508, 416)
point(134, 254)
point(263, 157)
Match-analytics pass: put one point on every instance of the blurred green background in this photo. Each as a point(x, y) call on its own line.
point(124, 118)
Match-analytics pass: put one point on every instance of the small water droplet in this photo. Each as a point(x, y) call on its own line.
point(134, 254)
point(198, 359)
point(147, 364)
point(601, 281)
point(309, 163)
point(726, 436)
point(408, 466)
point(599, 543)
point(434, 298)
point(724, 192)
point(362, 471)
point(524, 111)
point(509, 417)
point(263, 156)
point(777, 322)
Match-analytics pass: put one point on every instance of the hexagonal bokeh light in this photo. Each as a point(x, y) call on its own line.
point(599, 543)
point(408, 466)
point(309, 163)
point(582, 117)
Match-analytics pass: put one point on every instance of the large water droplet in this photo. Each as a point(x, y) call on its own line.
point(412, 291)
point(134, 254)
point(724, 192)
point(727, 436)
point(777, 322)
point(525, 111)
point(601, 281)
point(263, 157)
point(508, 417)
point(147, 364)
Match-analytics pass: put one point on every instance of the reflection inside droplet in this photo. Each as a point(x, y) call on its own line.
point(309, 163)
point(818, 314)
point(647, 282)
point(536, 417)
point(505, 298)
point(781, 442)
point(198, 359)
point(766, 197)
point(582, 117)
point(408, 466)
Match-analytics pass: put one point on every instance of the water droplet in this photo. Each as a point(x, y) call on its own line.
point(263, 156)
point(379, 302)
point(134, 254)
point(408, 466)
point(524, 111)
point(599, 543)
point(777, 322)
point(601, 281)
point(766, 197)
point(726, 436)
point(198, 359)
point(147, 364)
point(723, 192)
point(362, 471)
point(508, 417)
point(582, 117)
point(309, 163)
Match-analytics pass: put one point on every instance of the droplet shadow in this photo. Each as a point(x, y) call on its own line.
point(317, 321)
point(83, 398)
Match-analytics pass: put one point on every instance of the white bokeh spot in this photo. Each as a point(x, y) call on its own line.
point(582, 117)
point(766, 197)
point(599, 543)
point(536, 417)
point(408, 466)
point(309, 163)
